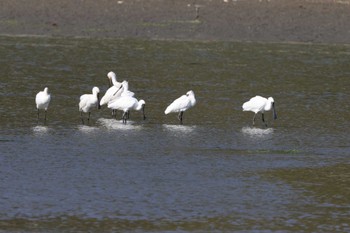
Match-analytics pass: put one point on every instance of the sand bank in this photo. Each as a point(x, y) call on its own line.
point(317, 21)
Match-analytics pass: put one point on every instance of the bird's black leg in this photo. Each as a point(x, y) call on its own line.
point(262, 117)
point(81, 117)
point(254, 119)
point(180, 116)
point(89, 117)
point(124, 117)
point(115, 114)
point(38, 115)
point(45, 117)
point(128, 115)
point(143, 113)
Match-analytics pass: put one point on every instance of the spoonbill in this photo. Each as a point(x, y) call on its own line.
point(127, 103)
point(125, 92)
point(114, 90)
point(88, 101)
point(181, 104)
point(42, 100)
point(260, 104)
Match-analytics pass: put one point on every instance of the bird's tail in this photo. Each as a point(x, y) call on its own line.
point(103, 101)
point(167, 110)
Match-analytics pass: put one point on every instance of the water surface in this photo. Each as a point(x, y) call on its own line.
point(214, 173)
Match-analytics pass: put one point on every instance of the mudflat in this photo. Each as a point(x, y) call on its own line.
point(316, 21)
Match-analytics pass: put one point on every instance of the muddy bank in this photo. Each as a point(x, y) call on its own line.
point(326, 21)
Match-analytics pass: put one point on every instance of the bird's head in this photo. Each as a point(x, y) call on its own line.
point(125, 85)
point(142, 103)
point(190, 93)
point(95, 90)
point(111, 75)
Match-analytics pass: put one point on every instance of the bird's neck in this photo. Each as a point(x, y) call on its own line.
point(114, 81)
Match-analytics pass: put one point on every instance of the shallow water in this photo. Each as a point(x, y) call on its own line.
point(214, 173)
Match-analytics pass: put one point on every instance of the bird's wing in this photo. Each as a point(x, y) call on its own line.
point(122, 103)
point(38, 97)
point(83, 101)
point(107, 96)
point(178, 105)
point(110, 94)
point(128, 93)
point(255, 104)
point(42, 98)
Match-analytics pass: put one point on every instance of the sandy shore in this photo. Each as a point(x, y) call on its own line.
point(318, 21)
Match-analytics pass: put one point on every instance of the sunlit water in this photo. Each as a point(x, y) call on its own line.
point(216, 172)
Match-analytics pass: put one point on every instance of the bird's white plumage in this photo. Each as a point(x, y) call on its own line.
point(88, 101)
point(258, 104)
point(112, 77)
point(126, 103)
point(113, 91)
point(182, 103)
point(42, 99)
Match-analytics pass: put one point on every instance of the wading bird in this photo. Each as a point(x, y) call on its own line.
point(260, 104)
point(88, 101)
point(42, 100)
point(181, 104)
point(127, 103)
point(113, 91)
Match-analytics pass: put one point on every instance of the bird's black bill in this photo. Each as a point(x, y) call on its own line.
point(118, 90)
point(143, 112)
point(274, 111)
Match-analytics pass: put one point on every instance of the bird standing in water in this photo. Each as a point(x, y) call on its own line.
point(42, 100)
point(127, 103)
point(260, 104)
point(88, 101)
point(182, 104)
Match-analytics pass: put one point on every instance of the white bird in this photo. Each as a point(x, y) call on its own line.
point(114, 91)
point(127, 103)
point(124, 92)
point(181, 104)
point(42, 100)
point(112, 79)
point(88, 101)
point(260, 104)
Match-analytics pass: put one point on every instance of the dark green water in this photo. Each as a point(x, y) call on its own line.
point(215, 173)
